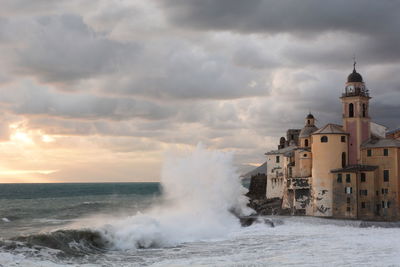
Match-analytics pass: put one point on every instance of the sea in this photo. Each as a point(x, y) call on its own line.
point(190, 218)
point(58, 225)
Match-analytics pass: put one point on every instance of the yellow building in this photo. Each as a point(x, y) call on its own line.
point(343, 171)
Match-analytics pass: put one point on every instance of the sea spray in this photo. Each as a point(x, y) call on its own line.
point(201, 194)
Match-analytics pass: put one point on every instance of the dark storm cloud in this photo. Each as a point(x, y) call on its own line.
point(377, 20)
point(308, 16)
point(62, 48)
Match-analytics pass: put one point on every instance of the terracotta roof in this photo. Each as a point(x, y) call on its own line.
point(355, 168)
point(382, 142)
point(281, 151)
point(331, 128)
point(307, 131)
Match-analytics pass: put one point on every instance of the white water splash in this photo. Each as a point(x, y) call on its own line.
point(201, 189)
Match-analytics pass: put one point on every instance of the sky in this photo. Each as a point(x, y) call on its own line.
point(99, 90)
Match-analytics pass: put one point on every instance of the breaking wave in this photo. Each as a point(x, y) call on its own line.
point(202, 196)
point(65, 243)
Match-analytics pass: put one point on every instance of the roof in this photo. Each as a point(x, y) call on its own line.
point(354, 76)
point(331, 128)
point(382, 142)
point(310, 116)
point(393, 131)
point(281, 151)
point(355, 168)
point(307, 131)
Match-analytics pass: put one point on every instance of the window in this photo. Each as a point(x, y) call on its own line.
point(308, 122)
point(351, 110)
point(377, 192)
point(324, 139)
point(277, 159)
point(343, 139)
point(363, 177)
point(385, 191)
point(348, 178)
point(386, 175)
point(339, 178)
point(363, 192)
point(344, 159)
point(363, 205)
point(364, 110)
point(305, 155)
point(348, 190)
point(348, 200)
point(369, 153)
point(348, 209)
point(386, 204)
point(306, 143)
point(386, 152)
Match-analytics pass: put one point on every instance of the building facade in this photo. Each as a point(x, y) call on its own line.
point(342, 171)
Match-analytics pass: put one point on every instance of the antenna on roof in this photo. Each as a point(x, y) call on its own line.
point(354, 62)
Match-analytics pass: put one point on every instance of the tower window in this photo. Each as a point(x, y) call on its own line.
point(351, 110)
point(344, 159)
point(308, 122)
point(363, 177)
point(386, 175)
point(343, 139)
point(348, 178)
point(386, 152)
point(324, 139)
point(364, 110)
point(306, 143)
point(277, 159)
point(369, 153)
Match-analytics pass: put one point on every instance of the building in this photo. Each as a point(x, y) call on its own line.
point(342, 171)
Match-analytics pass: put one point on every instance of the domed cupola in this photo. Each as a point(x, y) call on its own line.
point(354, 77)
point(355, 85)
point(309, 128)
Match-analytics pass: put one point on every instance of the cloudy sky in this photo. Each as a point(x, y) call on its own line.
point(98, 90)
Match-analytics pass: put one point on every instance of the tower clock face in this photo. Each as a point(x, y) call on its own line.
point(350, 88)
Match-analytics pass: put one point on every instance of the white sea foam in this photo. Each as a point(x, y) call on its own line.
point(201, 189)
point(5, 220)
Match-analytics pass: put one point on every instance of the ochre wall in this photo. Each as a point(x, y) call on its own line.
point(391, 163)
point(325, 157)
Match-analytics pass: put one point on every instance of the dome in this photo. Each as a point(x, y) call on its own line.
point(354, 77)
point(310, 116)
point(307, 131)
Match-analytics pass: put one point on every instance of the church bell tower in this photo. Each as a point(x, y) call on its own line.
point(356, 120)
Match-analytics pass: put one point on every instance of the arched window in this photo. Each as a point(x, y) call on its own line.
point(364, 110)
point(324, 139)
point(343, 159)
point(308, 122)
point(351, 110)
point(306, 143)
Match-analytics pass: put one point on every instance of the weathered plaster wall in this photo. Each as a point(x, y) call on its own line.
point(326, 156)
point(275, 176)
point(391, 163)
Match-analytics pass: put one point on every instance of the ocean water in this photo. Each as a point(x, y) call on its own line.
point(186, 220)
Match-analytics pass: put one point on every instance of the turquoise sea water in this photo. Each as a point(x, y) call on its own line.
point(29, 208)
point(54, 225)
